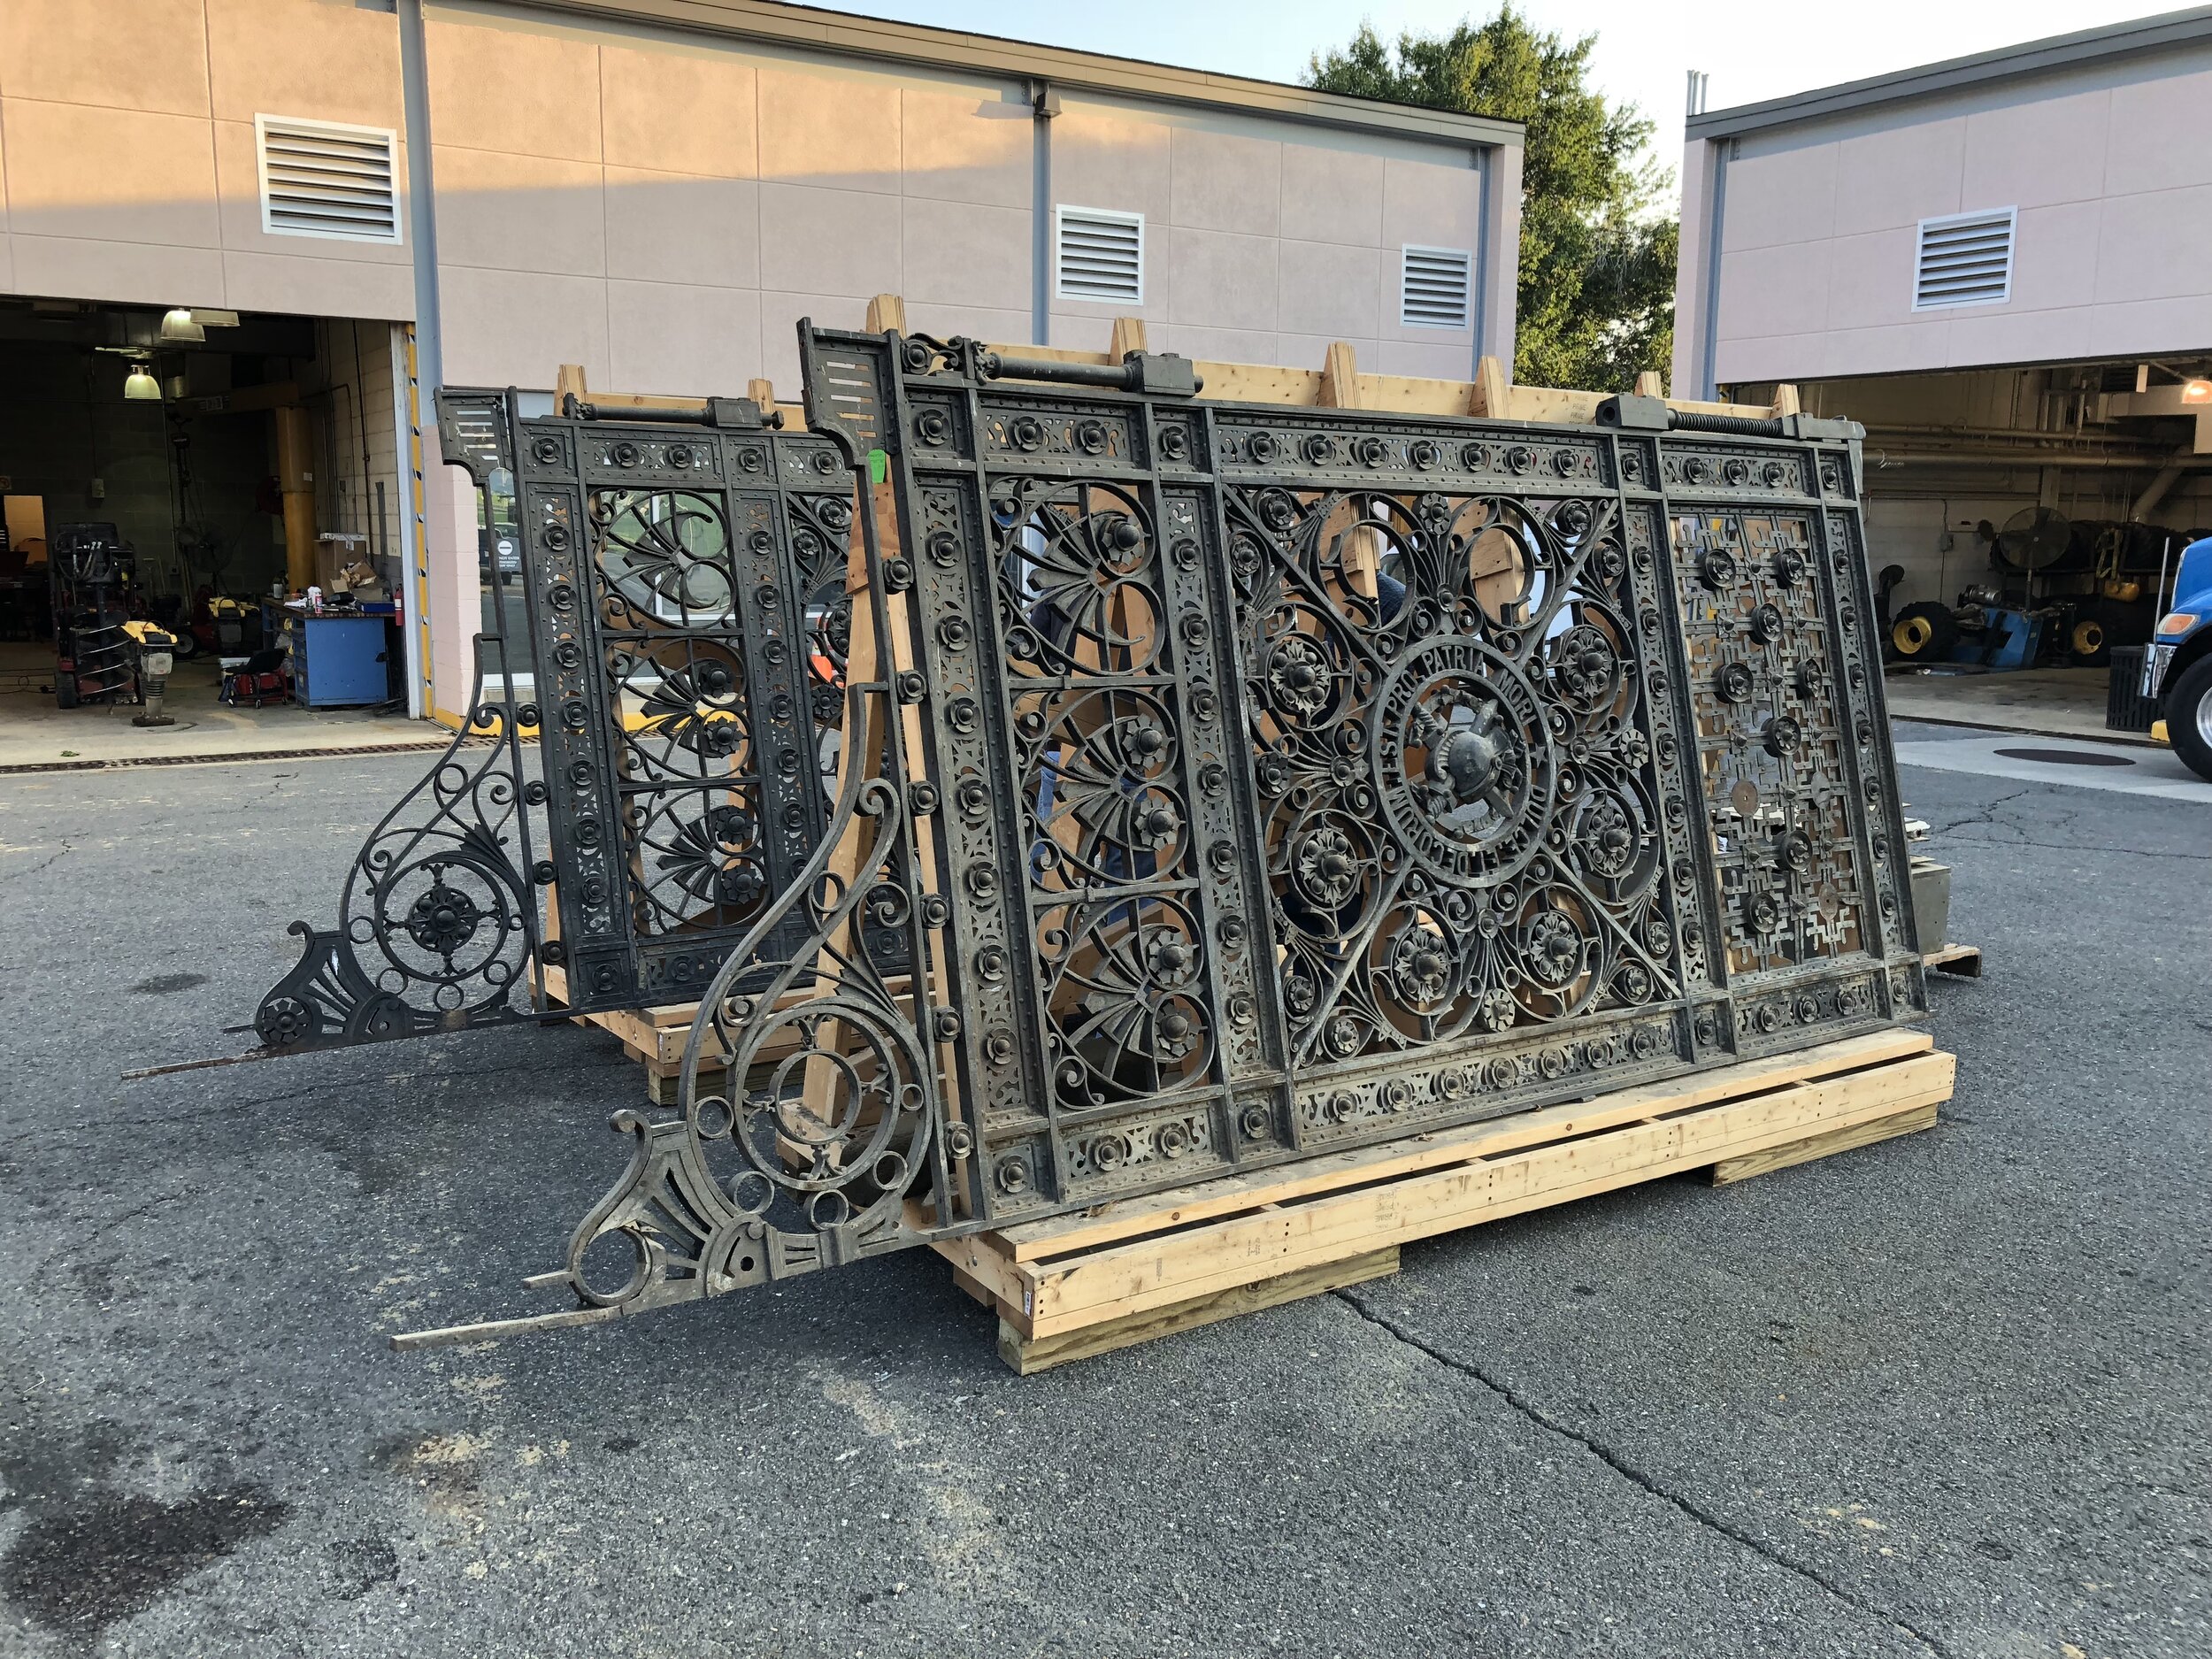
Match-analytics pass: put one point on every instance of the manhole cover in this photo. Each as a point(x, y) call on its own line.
point(2066, 757)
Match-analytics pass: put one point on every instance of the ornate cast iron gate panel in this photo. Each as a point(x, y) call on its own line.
point(1218, 785)
point(672, 656)
point(684, 587)
point(1280, 780)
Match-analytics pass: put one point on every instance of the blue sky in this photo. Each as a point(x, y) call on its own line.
point(1752, 48)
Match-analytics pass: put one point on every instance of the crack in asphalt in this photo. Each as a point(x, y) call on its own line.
point(1630, 1472)
point(1985, 815)
point(112, 1223)
point(2079, 846)
point(43, 864)
point(1981, 814)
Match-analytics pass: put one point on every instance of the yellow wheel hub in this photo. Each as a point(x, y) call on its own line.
point(1911, 636)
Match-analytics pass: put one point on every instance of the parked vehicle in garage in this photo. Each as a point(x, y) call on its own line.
point(2177, 669)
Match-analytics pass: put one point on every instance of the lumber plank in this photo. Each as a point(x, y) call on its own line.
point(1410, 395)
point(1694, 406)
point(569, 378)
point(1046, 353)
point(1027, 1355)
point(1339, 387)
point(1153, 1271)
point(1056, 1235)
point(763, 393)
point(1259, 383)
point(1491, 396)
point(1551, 404)
point(974, 1287)
point(1730, 1170)
point(977, 1256)
point(886, 312)
point(1447, 1200)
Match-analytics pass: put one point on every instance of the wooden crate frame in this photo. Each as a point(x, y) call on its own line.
point(1074, 1286)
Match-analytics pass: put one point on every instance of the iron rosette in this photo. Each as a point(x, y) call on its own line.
point(1453, 758)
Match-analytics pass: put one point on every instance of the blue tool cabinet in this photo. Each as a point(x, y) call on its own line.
point(337, 661)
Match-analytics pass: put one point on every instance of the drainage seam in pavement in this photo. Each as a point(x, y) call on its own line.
point(1629, 1471)
point(212, 760)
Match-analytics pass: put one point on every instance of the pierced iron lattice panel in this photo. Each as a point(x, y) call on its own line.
point(674, 655)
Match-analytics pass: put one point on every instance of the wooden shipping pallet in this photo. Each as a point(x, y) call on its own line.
point(1075, 1285)
point(1965, 961)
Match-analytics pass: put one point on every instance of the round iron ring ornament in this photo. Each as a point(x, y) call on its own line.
point(1464, 761)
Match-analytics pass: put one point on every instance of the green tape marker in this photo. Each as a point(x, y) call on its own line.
point(878, 466)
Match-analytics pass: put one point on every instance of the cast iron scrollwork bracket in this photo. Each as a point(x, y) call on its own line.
point(810, 1108)
point(437, 926)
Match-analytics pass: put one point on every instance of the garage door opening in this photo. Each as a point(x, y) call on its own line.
point(222, 488)
point(2023, 527)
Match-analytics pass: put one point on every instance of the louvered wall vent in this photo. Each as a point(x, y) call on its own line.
point(1965, 259)
point(323, 179)
point(1433, 284)
point(1101, 254)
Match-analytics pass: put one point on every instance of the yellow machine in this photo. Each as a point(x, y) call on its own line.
point(157, 655)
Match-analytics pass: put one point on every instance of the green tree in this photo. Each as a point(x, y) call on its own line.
point(1596, 291)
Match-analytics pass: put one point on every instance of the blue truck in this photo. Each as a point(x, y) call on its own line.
point(2178, 668)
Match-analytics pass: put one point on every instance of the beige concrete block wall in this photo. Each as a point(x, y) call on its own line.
point(676, 256)
point(2106, 167)
point(816, 184)
point(1265, 244)
point(455, 587)
point(126, 160)
point(568, 190)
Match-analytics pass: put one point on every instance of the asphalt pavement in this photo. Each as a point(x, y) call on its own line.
point(1945, 1395)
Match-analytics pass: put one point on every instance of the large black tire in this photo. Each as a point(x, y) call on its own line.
point(1923, 633)
point(2189, 716)
point(65, 689)
point(2124, 621)
point(1885, 584)
point(187, 646)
